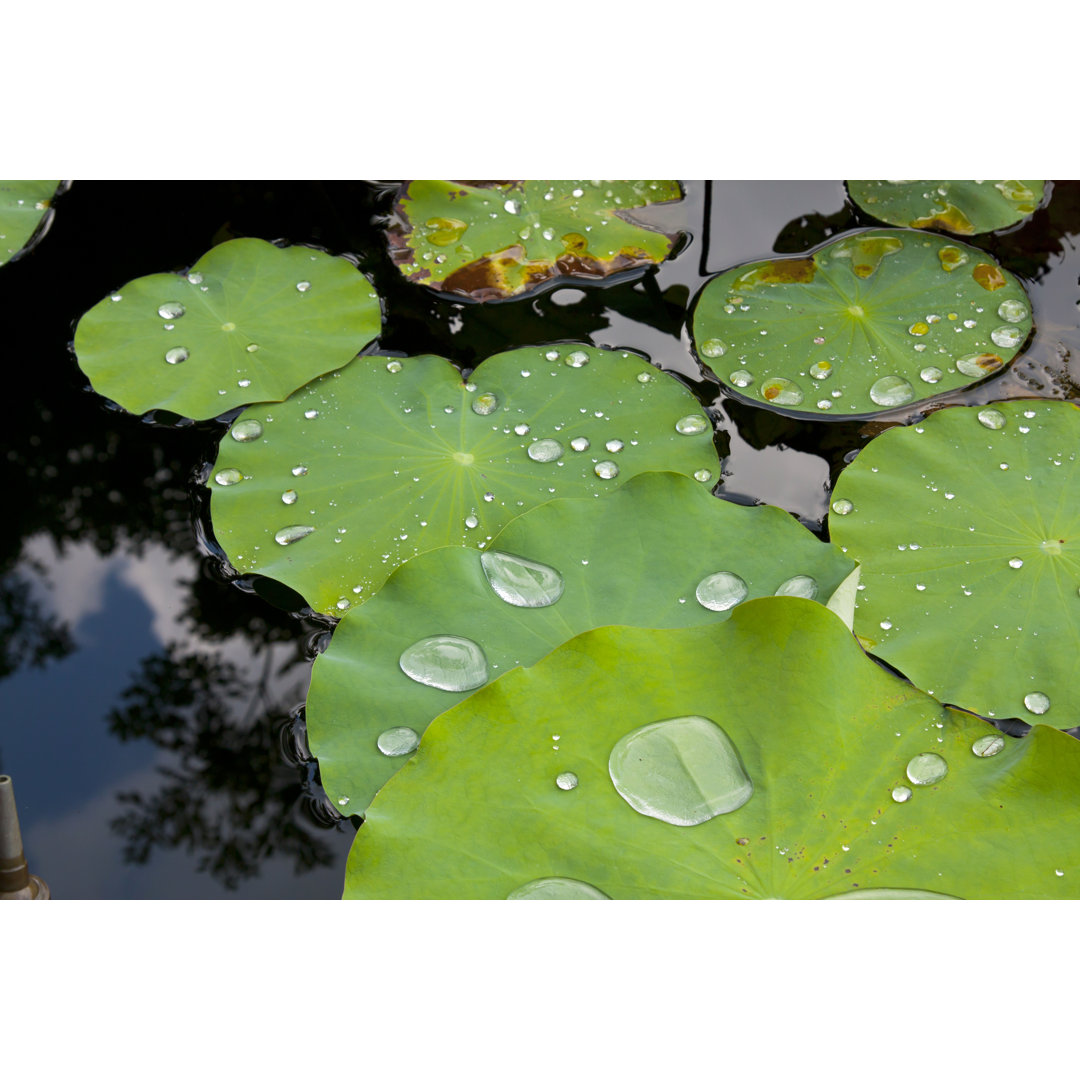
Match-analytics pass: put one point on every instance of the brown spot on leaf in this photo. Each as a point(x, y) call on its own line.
point(951, 219)
point(989, 276)
point(778, 272)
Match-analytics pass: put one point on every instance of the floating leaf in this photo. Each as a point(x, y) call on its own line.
point(963, 207)
point(641, 557)
point(24, 206)
point(968, 531)
point(366, 468)
point(249, 322)
point(790, 748)
point(491, 242)
point(871, 321)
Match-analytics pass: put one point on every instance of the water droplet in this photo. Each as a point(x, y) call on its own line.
point(901, 793)
point(303, 286)
point(446, 662)
point(485, 404)
point(821, 370)
point(1016, 563)
point(1060, 873)
point(227, 477)
point(251, 348)
point(988, 745)
point(892, 894)
point(1051, 547)
point(613, 446)
point(116, 297)
point(546, 450)
point(1037, 703)
point(228, 326)
point(1007, 337)
point(397, 741)
point(521, 582)
point(799, 585)
point(721, 591)
point(512, 206)
point(683, 771)
point(931, 374)
point(694, 424)
point(843, 506)
point(472, 521)
point(557, 888)
point(393, 366)
point(567, 781)
point(992, 419)
point(310, 414)
point(246, 430)
point(576, 359)
point(892, 390)
point(741, 378)
point(243, 383)
point(885, 624)
point(978, 365)
point(781, 392)
point(703, 475)
point(644, 377)
point(288, 497)
point(926, 769)
point(195, 278)
point(1012, 311)
point(606, 470)
point(548, 234)
point(299, 470)
point(712, 348)
point(171, 310)
point(521, 429)
point(579, 444)
point(918, 329)
point(176, 356)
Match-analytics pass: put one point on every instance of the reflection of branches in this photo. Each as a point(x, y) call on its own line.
point(229, 796)
point(27, 633)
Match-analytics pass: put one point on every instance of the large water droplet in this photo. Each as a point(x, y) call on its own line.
point(606, 470)
point(445, 662)
point(931, 374)
point(397, 741)
point(892, 390)
point(843, 507)
point(1007, 337)
point(291, 533)
point(485, 404)
point(246, 430)
point(712, 348)
point(567, 781)
point(1012, 311)
point(926, 769)
point(228, 477)
point(781, 392)
point(576, 359)
point(545, 450)
point(741, 378)
point(683, 771)
point(521, 582)
point(1037, 703)
point(176, 356)
point(992, 419)
point(721, 591)
point(799, 585)
point(703, 475)
point(557, 888)
point(171, 310)
point(979, 365)
point(988, 745)
point(694, 424)
point(892, 894)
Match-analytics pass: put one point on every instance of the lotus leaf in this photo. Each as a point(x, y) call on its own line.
point(963, 207)
point(968, 530)
point(635, 558)
point(766, 756)
point(24, 205)
point(871, 321)
point(249, 322)
point(372, 465)
point(505, 238)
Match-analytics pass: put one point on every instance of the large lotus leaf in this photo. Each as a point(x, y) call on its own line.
point(968, 530)
point(249, 322)
point(963, 207)
point(495, 241)
point(23, 206)
point(779, 777)
point(372, 465)
point(871, 321)
point(636, 558)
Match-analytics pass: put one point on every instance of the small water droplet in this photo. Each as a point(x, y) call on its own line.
point(901, 793)
point(992, 419)
point(843, 506)
point(891, 390)
point(741, 378)
point(1037, 703)
point(694, 424)
point(1012, 311)
point(288, 497)
point(721, 591)
point(471, 521)
point(925, 769)
point(485, 404)
point(243, 383)
point(171, 310)
point(291, 533)
point(613, 446)
point(557, 888)
point(712, 348)
point(931, 374)
point(576, 359)
point(521, 582)
point(227, 477)
point(988, 745)
point(1060, 873)
point(821, 370)
point(644, 377)
point(1016, 563)
point(303, 286)
point(455, 664)
point(684, 771)
point(521, 429)
point(310, 414)
point(246, 430)
point(918, 329)
point(116, 297)
point(545, 450)
point(1007, 337)
point(703, 475)
point(397, 741)
point(195, 278)
point(567, 781)
point(299, 470)
point(176, 356)
point(799, 585)
point(512, 206)
point(251, 348)
point(606, 470)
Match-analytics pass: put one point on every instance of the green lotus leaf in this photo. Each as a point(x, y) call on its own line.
point(249, 322)
point(871, 321)
point(639, 557)
point(373, 465)
point(963, 207)
point(24, 205)
point(967, 527)
point(765, 756)
point(504, 238)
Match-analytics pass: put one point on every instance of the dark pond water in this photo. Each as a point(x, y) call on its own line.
point(146, 702)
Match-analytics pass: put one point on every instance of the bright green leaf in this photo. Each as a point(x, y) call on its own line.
point(967, 527)
point(24, 205)
point(871, 321)
point(963, 207)
point(635, 558)
point(781, 696)
point(249, 322)
point(370, 466)
point(500, 240)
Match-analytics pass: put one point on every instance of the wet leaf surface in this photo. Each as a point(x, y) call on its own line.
point(23, 206)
